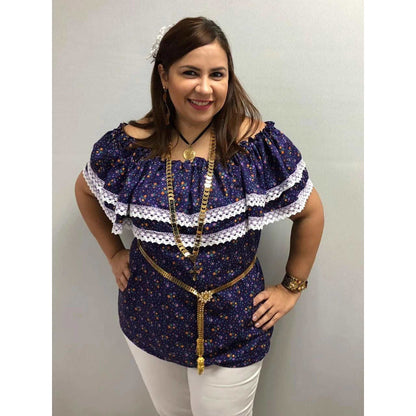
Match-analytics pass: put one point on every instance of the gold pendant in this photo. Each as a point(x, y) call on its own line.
point(189, 153)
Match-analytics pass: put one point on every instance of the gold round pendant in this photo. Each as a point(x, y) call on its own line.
point(189, 154)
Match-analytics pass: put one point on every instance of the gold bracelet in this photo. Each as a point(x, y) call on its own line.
point(293, 284)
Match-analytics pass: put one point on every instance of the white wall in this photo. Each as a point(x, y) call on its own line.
point(302, 64)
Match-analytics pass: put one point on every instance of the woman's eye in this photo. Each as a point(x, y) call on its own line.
point(193, 74)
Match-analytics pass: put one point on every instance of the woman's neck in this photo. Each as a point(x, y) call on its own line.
point(191, 131)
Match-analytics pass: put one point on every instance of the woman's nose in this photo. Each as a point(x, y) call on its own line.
point(204, 86)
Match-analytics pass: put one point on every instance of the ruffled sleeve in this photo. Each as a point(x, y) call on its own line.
point(107, 175)
point(276, 181)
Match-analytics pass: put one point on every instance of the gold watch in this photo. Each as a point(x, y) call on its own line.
point(293, 284)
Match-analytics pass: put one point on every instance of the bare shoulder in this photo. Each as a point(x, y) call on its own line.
point(257, 127)
point(138, 132)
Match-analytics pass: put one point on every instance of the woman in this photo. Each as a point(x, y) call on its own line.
point(196, 180)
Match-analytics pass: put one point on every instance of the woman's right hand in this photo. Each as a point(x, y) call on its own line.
point(121, 268)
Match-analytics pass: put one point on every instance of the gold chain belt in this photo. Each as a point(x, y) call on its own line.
point(203, 298)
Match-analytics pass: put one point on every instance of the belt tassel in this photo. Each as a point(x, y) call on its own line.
point(200, 341)
point(203, 298)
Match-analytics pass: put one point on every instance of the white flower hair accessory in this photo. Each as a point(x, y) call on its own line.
point(155, 47)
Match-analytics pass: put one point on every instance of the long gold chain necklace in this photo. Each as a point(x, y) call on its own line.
point(204, 204)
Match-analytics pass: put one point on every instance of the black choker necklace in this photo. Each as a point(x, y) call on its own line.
point(189, 153)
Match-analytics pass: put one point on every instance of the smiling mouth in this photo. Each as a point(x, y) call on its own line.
point(200, 105)
point(200, 102)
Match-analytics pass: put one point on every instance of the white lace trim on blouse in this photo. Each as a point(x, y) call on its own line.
point(216, 214)
point(223, 236)
point(190, 220)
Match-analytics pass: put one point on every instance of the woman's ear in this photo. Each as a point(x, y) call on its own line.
point(163, 74)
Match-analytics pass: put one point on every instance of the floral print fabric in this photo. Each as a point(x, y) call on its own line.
point(268, 184)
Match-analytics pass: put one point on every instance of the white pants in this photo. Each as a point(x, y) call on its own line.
point(180, 391)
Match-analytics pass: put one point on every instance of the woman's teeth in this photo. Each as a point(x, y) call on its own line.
point(200, 102)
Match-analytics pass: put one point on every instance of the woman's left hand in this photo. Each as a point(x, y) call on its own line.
point(278, 301)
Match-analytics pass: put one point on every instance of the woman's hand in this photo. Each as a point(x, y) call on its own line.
point(121, 268)
point(278, 302)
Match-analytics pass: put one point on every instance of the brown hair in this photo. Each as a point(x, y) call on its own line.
point(185, 36)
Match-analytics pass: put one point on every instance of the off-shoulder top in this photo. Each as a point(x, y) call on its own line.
point(266, 185)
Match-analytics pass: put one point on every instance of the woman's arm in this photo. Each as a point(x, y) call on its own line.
point(100, 227)
point(305, 237)
point(304, 242)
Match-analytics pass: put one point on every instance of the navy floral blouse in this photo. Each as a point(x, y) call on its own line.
point(267, 185)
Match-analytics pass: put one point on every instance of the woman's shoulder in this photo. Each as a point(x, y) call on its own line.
point(249, 128)
point(138, 133)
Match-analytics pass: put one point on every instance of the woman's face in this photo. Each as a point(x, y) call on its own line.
point(198, 85)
